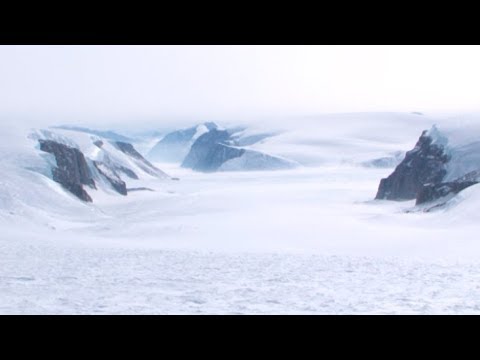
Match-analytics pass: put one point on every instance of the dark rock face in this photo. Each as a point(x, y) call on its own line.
point(139, 189)
point(185, 135)
point(432, 192)
point(175, 145)
point(112, 177)
point(210, 125)
point(128, 149)
point(98, 143)
point(72, 170)
point(146, 165)
point(130, 173)
point(425, 164)
point(210, 151)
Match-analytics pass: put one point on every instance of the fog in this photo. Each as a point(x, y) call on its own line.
point(144, 86)
point(277, 217)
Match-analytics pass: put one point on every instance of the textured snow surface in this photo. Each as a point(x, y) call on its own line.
point(57, 279)
point(283, 242)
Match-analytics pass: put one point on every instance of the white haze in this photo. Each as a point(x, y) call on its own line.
point(308, 240)
point(132, 86)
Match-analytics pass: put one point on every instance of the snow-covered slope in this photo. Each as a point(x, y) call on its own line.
point(222, 150)
point(28, 189)
point(174, 146)
point(352, 138)
point(100, 149)
point(364, 139)
point(28, 195)
point(463, 208)
point(255, 160)
point(108, 134)
point(461, 143)
point(302, 240)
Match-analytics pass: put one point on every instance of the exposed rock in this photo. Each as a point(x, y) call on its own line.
point(433, 192)
point(130, 173)
point(72, 170)
point(112, 177)
point(98, 143)
point(139, 189)
point(128, 149)
point(210, 151)
point(143, 163)
point(425, 164)
point(176, 145)
point(219, 150)
point(117, 167)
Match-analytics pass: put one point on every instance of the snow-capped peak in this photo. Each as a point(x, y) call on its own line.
point(437, 136)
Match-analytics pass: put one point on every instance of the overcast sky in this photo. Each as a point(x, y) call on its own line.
point(127, 84)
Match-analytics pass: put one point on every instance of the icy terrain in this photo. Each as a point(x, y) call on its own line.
point(304, 240)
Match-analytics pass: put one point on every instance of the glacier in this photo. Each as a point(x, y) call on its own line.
point(308, 239)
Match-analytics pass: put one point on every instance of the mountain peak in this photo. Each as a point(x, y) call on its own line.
point(210, 125)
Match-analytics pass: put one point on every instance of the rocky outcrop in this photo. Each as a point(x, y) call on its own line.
point(110, 165)
point(98, 143)
point(176, 145)
point(128, 149)
point(433, 192)
point(220, 150)
point(143, 163)
point(72, 170)
point(139, 189)
point(210, 151)
point(112, 177)
point(423, 165)
point(128, 172)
